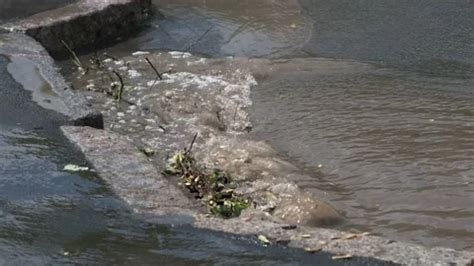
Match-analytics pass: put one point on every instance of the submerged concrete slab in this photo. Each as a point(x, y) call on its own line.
point(83, 24)
point(32, 67)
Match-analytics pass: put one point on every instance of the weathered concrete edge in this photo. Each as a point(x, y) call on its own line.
point(84, 23)
point(79, 110)
point(128, 172)
point(140, 184)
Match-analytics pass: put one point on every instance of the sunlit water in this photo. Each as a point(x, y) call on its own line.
point(390, 121)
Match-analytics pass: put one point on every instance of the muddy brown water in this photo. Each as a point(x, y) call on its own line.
point(379, 107)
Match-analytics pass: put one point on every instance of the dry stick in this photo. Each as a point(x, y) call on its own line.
point(154, 68)
point(188, 151)
point(158, 75)
point(120, 96)
point(75, 59)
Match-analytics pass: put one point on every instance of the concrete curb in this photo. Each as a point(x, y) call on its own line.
point(83, 24)
point(129, 172)
point(74, 105)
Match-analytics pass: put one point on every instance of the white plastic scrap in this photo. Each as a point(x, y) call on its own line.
point(75, 168)
point(137, 53)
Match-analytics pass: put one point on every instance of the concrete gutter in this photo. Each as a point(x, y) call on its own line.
point(84, 24)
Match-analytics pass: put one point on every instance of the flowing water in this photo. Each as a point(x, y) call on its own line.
point(52, 217)
point(384, 123)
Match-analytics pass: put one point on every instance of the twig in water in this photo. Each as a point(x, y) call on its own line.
point(197, 41)
point(158, 75)
point(75, 59)
point(188, 150)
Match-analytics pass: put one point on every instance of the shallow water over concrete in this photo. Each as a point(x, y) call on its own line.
point(49, 216)
point(394, 137)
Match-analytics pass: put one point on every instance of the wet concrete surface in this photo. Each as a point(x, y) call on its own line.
point(82, 24)
point(34, 69)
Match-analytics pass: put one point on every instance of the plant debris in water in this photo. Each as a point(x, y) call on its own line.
point(214, 189)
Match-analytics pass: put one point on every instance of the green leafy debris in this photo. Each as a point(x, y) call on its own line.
point(215, 190)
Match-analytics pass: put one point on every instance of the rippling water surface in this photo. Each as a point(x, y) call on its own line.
point(389, 114)
point(396, 149)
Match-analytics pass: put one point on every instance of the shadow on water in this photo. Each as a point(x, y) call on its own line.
point(223, 28)
point(12, 9)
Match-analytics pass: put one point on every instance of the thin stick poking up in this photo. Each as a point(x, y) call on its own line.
point(158, 75)
point(188, 150)
point(75, 59)
point(197, 41)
